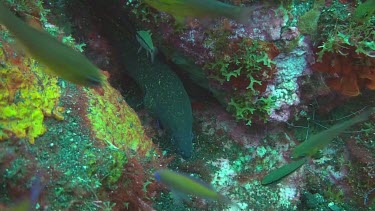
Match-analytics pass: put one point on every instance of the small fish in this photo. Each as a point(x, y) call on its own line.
point(283, 171)
point(144, 38)
point(185, 184)
point(59, 58)
point(320, 140)
point(181, 9)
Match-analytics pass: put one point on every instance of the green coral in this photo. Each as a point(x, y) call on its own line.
point(246, 106)
point(244, 66)
point(250, 59)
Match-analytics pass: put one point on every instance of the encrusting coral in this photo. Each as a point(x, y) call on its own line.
point(27, 95)
point(113, 121)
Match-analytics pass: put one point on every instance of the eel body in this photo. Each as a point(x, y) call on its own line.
point(165, 97)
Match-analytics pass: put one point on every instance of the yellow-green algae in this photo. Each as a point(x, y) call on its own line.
point(114, 121)
point(27, 95)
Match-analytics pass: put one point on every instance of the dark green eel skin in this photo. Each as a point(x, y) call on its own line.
point(165, 96)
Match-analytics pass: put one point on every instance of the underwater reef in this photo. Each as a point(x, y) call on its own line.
point(187, 105)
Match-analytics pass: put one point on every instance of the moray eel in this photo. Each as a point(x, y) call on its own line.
point(165, 97)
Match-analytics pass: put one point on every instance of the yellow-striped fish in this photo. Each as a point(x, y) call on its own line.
point(59, 58)
point(188, 185)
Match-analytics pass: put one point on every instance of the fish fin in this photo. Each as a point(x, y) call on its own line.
point(139, 49)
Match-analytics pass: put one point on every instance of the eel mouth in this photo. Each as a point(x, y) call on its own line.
point(184, 145)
